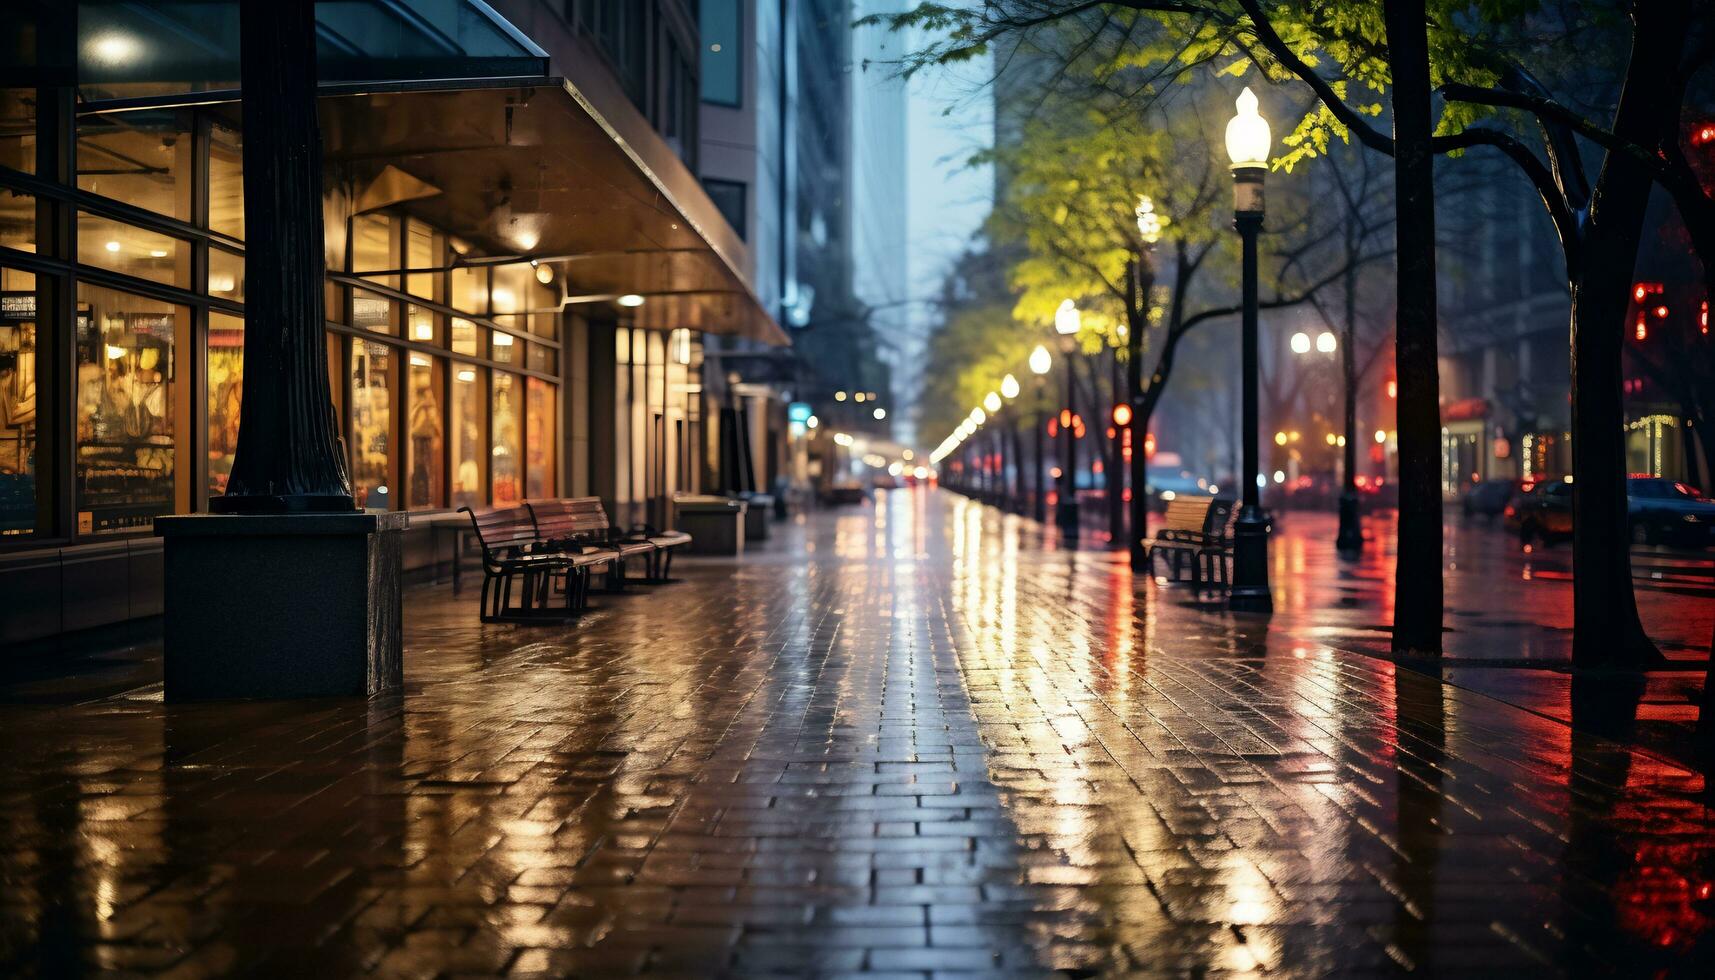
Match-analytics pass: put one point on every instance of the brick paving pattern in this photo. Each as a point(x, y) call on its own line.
point(903, 740)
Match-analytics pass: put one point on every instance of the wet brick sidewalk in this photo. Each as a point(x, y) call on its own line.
point(902, 740)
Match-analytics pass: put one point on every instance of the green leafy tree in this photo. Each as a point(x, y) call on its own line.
point(1354, 53)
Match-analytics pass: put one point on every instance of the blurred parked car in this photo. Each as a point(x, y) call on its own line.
point(1488, 498)
point(1170, 484)
point(1541, 511)
point(1669, 512)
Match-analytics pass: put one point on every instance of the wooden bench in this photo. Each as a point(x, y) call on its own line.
point(1183, 537)
point(580, 524)
point(1214, 556)
point(520, 569)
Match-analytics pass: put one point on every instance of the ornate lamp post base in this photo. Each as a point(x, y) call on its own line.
point(1250, 591)
point(1350, 541)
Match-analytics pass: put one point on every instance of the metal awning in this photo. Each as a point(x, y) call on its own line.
point(531, 171)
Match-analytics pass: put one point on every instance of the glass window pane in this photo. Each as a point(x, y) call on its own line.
point(133, 251)
point(226, 182)
point(17, 402)
point(504, 345)
point(225, 394)
point(373, 248)
point(424, 324)
point(545, 312)
point(142, 158)
point(722, 65)
point(470, 437)
point(466, 338)
point(225, 274)
point(371, 418)
point(371, 312)
point(125, 375)
point(470, 291)
point(512, 288)
point(17, 220)
point(508, 449)
point(423, 250)
point(539, 429)
point(18, 129)
point(426, 482)
point(541, 358)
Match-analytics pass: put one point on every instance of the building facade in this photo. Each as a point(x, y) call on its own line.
point(522, 273)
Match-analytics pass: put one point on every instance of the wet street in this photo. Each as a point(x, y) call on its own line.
point(910, 738)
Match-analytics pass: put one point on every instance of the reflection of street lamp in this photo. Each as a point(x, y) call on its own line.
point(1040, 364)
point(1067, 322)
point(1248, 144)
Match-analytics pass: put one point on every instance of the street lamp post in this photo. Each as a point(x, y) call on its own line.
point(1349, 542)
point(1015, 487)
point(997, 487)
point(1138, 286)
point(1248, 146)
point(1040, 363)
point(1067, 323)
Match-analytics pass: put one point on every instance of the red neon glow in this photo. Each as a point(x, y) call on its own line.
point(1642, 329)
point(1392, 388)
point(1122, 415)
point(1661, 312)
point(1703, 134)
point(1703, 317)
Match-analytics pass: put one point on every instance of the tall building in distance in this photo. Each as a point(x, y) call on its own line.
point(777, 156)
point(880, 185)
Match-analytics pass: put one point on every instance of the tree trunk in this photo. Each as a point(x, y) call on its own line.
point(1605, 625)
point(1417, 573)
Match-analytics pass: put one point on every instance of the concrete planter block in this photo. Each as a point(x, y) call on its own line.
point(716, 524)
point(282, 605)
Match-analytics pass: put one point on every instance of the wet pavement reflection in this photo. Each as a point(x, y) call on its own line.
point(904, 738)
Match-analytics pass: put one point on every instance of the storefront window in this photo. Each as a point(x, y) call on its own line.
point(18, 129)
point(504, 346)
point(225, 274)
point(541, 358)
point(133, 251)
point(425, 483)
point(539, 436)
point(469, 437)
point(225, 392)
point(371, 419)
point(142, 158)
point(125, 377)
point(17, 220)
point(17, 402)
point(226, 182)
point(508, 447)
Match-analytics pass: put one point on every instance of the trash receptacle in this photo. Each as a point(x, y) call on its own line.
point(716, 524)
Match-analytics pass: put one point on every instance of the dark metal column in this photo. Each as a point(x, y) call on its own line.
point(289, 457)
point(1250, 534)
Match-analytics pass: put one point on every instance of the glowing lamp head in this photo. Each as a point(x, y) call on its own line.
point(991, 402)
point(1067, 320)
point(1301, 343)
point(1009, 387)
point(630, 300)
point(1040, 360)
point(879, 414)
point(1325, 342)
point(1248, 139)
point(978, 417)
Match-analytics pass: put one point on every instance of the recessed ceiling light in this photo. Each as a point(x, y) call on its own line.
point(113, 246)
point(157, 253)
point(630, 299)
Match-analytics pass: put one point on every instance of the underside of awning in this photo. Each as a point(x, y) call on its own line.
point(530, 171)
